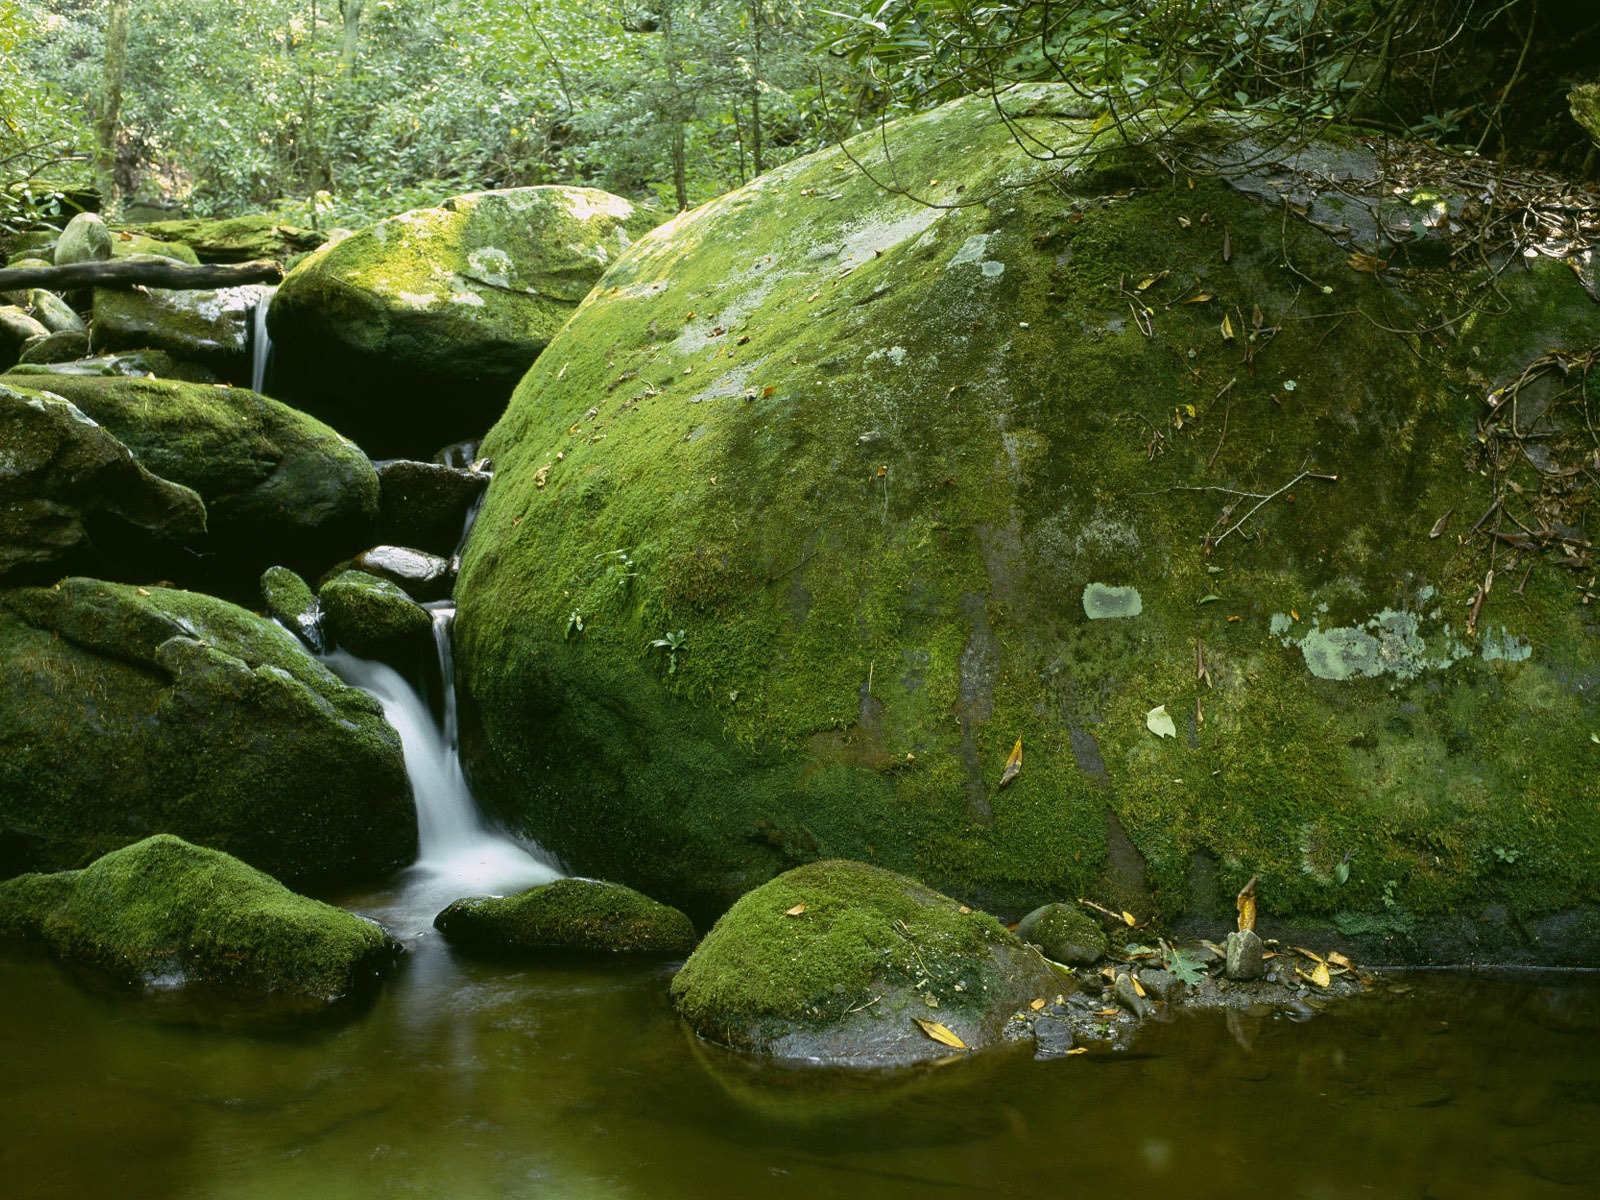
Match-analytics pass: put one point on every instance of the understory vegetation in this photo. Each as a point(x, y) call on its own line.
point(340, 112)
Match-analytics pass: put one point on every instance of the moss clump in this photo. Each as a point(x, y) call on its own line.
point(372, 617)
point(235, 239)
point(163, 912)
point(128, 711)
point(833, 959)
point(290, 601)
point(569, 914)
point(1064, 934)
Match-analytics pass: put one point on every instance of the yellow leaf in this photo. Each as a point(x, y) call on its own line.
point(795, 911)
point(1340, 960)
point(1246, 904)
point(1108, 1012)
point(1319, 975)
point(1137, 986)
point(882, 471)
point(143, 592)
point(1201, 298)
point(1079, 1050)
point(1128, 919)
point(1036, 1005)
point(1227, 328)
point(940, 1033)
point(1013, 764)
point(768, 390)
point(1311, 954)
point(962, 908)
point(1367, 263)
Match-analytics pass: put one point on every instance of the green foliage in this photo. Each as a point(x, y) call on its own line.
point(36, 136)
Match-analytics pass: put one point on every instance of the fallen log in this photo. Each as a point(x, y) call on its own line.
point(129, 273)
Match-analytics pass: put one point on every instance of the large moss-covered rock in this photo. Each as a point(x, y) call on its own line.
point(280, 486)
point(580, 915)
point(164, 912)
point(871, 476)
point(128, 711)
point(413, 332)
point(72, 494)
point(210, 326)
point(234, 239)
point(125, 244)
point(373, 617)
point(85, 239)
point(834, 961)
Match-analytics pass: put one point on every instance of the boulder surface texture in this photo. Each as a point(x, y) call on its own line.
point(833, 962)
point(164, 912)
point(413, 332)
point(839, 480)
point(128, 711)
point(587, 915)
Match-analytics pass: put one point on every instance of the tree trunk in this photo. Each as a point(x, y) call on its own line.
point(127, 274)
point(350, 10)
point(111, 79)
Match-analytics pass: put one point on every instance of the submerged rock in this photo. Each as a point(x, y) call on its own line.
point(279, 486)
point(165, 913)
point(836, 962)
point(70, 493)
point(568, 915)
point(128, 711)
point(865, 456)
point(413, 332)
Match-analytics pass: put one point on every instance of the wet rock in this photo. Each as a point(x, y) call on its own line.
point(207, 326)
point(413, 332)
point(85, 239)
point(290, 601)
point(17, 329)
point(422, 576)
point(127, 711)
point(373, 618)
point(71, 493)
point(1052, 1037)
point(133, 364)
point(1162, 985)
point(54, 313)
point(1064, 934)
point(1245, 955)
point(163, 913)
point(64, 346)
point(585, 915)
point(1128, 995)
point(279, 486)
point(834, 961)
point(426, 504)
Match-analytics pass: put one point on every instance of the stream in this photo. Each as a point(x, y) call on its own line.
point(464, 1078)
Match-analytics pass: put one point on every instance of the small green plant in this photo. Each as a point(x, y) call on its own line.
point(1185, 966)
point(1506, 856)
point(620, 572)
point(672, 642)
point(574, 624)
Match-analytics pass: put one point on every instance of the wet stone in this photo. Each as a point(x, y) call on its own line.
point(426, 504)
point(1052, 1037)
point(1128, 996)
point(1245, 959)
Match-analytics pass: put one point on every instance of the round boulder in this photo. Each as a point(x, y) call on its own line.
point(840, 962)
point(1064, 934)
point(373, 617)
point(85, 239)
point(585, 915)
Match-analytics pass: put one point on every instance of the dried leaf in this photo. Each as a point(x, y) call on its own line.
point(1201, 298)
point(795, 911)
point(143, 591)
point(541, 477)
point(1227, 246)
point(1246, 904)
point(1151, 280)
point(1108, 1012)
point(1318, 975)
point(940, 1033)
point(1013, 765)
point(1128, 919)
point(1079, 1050)
point(963, 910)
point(1340, 960)
point(1036, 1005)
point(1159, 721)
point(1367, 264)
point(1311, 954)
point(1227, 328)
point(1137, 986)
point(768, 390)
point(1440, 525)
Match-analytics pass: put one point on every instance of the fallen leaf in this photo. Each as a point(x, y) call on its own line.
point(143, 591)
point(1212, 598)
point(1227, 246)
point(1227, 328)
point(1246, 904)
point(1128, 919)
point(812, 297)
point(882, 471)
point(1151, 280)
point(742, 341)
point(940, 1033)
point(1036, 1005)
point(768, 390)
point(1013, 765)
point(1340, 960)
point(1293, 615)
point(1137, 986)
point(1201, 298)
point(1079, 1050)
point(1367, 263)
point(795, 911)
point(1318, 975)
point(1184, 222)
point(1440, 525)
point(575, 428)
point(1108, 1012)
point(541, 477)
point(962, 908)
point(1342, 872)
point(1311, 954)
point(1159, 721)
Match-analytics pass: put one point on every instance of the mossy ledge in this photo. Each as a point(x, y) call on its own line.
point(163, 913)
point(860, 457)
point(833, 961)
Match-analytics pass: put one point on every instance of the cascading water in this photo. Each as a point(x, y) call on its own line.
point(458, 855)
point(260, 343)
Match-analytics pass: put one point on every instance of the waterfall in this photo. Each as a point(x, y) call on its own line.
point(260, 343)
point(458, 855)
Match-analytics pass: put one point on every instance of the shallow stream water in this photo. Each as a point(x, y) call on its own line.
point(469, 1079)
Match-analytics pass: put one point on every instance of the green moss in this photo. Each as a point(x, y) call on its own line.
point(164, 912)
point(871, 481)
point(372, 617)
point(569, 914)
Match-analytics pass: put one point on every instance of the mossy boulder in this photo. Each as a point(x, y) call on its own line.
point(127, 711)
point(67, 345)
point(85, 239)
point(413, 332)
point(72, 495)
point(141, 364)
point(165, 913)
point(862, 454)
point(280, 486)
point(289, 600)
point(234, 239)
point(835, 961)
point(1064, 934)
point(54, 313)
point(568, 915)
point(125, 244)
point(210, 326)
point(373, 617)
point(1584, 103)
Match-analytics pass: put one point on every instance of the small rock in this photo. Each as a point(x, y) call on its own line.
point(1245, 959)
point(85, 239)
point(373, 617)
point(1052, 1038)
point(291, 602)
point(17, 328)
point(54, 313)
point(65, 345)
point(586, 915)
point(1064, 934)
point(426, 504)
point(422, 576)
point(1163, 985)
point(1128, 996)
